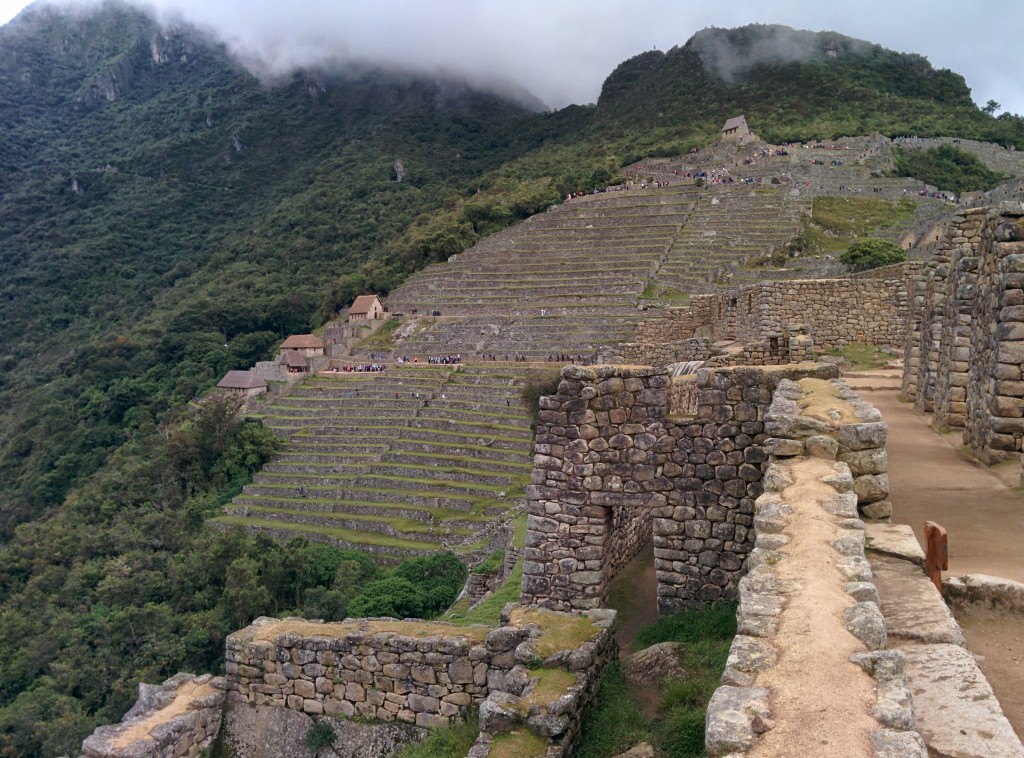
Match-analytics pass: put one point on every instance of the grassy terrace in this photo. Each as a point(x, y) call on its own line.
point(433, 468)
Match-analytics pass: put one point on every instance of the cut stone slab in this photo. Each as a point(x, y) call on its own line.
point(954, 707)
point(730, 719)
point(912, 607)
point(897, 540)
point(984, 590)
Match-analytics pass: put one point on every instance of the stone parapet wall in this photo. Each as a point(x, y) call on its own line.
point(769, 702)
point(605, 445)
point(416, 672)
point(176, 719)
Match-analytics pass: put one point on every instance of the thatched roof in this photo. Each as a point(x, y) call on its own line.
point(241, 380)
point(303, 342)
point(735, 123)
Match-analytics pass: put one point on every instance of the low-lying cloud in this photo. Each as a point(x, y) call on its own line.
point(562, 50)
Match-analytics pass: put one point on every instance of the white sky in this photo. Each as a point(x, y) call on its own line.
point(561, 50)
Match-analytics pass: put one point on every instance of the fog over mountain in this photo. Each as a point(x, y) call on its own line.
point(562, 51)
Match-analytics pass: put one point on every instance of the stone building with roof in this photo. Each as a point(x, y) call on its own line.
point(246, 384)
point(736, 129)
point(366, 308)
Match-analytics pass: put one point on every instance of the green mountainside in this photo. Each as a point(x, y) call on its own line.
point(165, 217)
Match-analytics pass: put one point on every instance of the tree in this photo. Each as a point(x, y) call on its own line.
point(991, 107)
point(872, 252)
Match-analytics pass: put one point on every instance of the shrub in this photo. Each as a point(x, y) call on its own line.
point(871, 253)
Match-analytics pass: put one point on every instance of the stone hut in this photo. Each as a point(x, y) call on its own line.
point(294, 361)
point(247, 384)
point(736, 129)
point(366, 308)
point(307, 345)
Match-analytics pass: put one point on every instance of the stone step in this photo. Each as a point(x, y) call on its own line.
point(477, 451)
point(448, 457)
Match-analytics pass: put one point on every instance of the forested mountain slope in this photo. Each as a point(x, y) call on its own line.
point(165, 216)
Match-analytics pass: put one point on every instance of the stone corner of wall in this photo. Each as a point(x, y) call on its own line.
point(152, 728)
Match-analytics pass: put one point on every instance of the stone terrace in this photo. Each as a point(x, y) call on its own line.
point(731, 225)
point(564, 281)
point(398, 463)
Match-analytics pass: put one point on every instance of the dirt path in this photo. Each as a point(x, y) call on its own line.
point(634, 594)
point(983, 512)
point(929, 480)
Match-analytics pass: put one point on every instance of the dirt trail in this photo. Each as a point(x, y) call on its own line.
point(930, 480)
point(983, 512)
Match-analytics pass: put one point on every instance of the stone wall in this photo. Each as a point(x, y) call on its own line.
point(965, 346)
point(605, 443)
point(426, 674)
point(549, 690)
point(178, 718)
point(871, 307)
point(763, 698)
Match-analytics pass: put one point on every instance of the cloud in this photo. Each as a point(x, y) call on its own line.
point(562, 50)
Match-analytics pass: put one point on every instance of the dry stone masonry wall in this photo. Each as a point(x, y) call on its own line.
point(965, 347)
point(871, 307)
point(178, 718)
point(760, 703)
point(610, 456)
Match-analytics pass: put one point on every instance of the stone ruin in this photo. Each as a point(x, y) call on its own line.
point(965, 347)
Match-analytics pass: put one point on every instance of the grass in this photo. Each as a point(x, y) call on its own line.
point(863, 357)
point(406, 525)
point(559, 632)
point(524, 744)
point(549, 685)
point(835, 222)
point(348, 536)
point(491, 564)
point(446, 742)
point(488, 611)
point(383, 338)
point(616, 722)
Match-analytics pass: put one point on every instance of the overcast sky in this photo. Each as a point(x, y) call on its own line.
point(561, 50)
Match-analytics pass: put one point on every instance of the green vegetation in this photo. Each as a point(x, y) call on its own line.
point(321, 735)
point(948, 168)
point(837, 222)
point(492, 563)
point(862, 357)
point(617, 722)
point(446, 742)
point(417, 588)
point(488, 611)
point(539, 382)
point(162, 223)
point(870, 253)
point(383, 338)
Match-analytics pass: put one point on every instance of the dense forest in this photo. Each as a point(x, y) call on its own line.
point(165, 217)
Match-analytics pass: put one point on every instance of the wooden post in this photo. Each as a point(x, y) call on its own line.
point(936, 552)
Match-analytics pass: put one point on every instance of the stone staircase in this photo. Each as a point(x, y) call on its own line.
point(401, 462)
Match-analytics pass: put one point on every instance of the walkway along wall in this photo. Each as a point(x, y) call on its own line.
point(965, 345)
point(614, 459)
